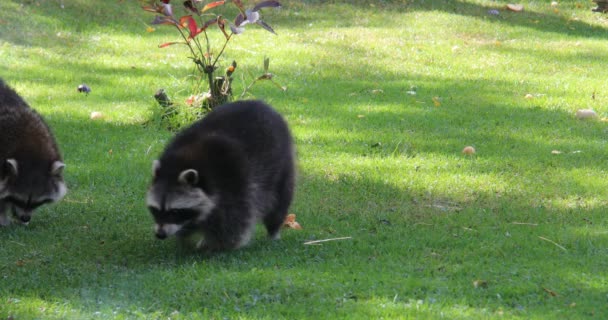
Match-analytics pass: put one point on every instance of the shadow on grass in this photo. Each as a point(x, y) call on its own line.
point(545, 21)
point(95, 252)
point(407, 246)
point(400, 253)
point(85, 17)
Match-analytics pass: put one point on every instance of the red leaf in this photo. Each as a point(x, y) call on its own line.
point(266, 4)
point(152, 9)
point(202, 28)
point(265, 26)
point(188, 4)
point(221, 23)
point(208, 23)
point(239, 4)
point(164, 45)
point(163, 20)
point(190, 23)
point(238, 21)
point(213, 5)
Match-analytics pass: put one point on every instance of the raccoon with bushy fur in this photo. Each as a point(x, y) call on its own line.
point(31, 166)
point(223, 174)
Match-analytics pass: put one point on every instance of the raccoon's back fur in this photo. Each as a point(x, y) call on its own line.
point(223, 174)
point(31, 166)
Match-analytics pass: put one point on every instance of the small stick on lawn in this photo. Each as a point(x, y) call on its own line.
point(525, 223)
point(555, 243)
point(325, 240)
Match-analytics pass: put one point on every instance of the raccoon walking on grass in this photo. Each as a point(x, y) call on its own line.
point(223, 174)
point(31, 167)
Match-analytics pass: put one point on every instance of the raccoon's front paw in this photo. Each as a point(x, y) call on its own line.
point(21, 222)
point(201, 245)
point(5, 220)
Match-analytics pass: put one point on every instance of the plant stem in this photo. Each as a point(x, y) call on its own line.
point(222, 51)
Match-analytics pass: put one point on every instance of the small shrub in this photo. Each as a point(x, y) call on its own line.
point(193, 28)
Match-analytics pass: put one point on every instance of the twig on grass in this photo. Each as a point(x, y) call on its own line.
point(326, 240)
point(555, 243)
point(525, 223)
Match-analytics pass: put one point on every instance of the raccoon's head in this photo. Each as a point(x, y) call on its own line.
point(25, 186)
point(177, 201)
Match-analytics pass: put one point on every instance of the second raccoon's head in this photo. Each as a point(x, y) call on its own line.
point(24, 186)
point(176, 200)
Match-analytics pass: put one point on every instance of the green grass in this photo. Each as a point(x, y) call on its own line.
point(375, 163)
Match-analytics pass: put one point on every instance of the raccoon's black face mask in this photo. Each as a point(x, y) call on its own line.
point(24, 188)
point(177, 204)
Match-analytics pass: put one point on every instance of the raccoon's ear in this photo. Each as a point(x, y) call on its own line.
point(189, 177)
point(11, 168)
point(57, 168)
point(155, 167)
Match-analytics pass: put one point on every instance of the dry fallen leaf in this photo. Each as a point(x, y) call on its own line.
point(515, 7)
point(437, 101)
point(290, 222)
point(550, 292)
point(95, 115)
point(468, 150)
point(480, 284)
point(585, 114)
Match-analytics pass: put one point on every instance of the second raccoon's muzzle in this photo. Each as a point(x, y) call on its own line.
point(24, 216)
point(161, 234)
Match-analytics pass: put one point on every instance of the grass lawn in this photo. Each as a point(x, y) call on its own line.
point(381, 98)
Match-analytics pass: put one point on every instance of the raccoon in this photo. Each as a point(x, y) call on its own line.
point(223, 174)
point(31, 167)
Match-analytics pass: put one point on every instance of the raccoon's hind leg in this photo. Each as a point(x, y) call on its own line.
point(5, 219)
point(275, 218)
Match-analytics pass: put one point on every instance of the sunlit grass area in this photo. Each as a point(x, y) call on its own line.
point(382, 98)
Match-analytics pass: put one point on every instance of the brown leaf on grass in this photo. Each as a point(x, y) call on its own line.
point(515, 7)
point(437, 101)
point(480, 284)
point(585, 114)
point(291, 223)
point(551, 292)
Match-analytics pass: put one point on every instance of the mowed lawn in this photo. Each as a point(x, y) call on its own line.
point(382, 98)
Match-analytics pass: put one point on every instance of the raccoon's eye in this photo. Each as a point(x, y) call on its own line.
point(185, 214)
point(27, 204)
point(155, 212)
point(16, 202)
point(34, 205)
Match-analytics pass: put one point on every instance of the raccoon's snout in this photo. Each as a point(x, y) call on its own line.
point(25, 218)
point(161, 234)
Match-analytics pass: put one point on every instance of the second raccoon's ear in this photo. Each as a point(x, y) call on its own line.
point(10, 167)
point(57, 168)
point(155, 167)
point(189, 177)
